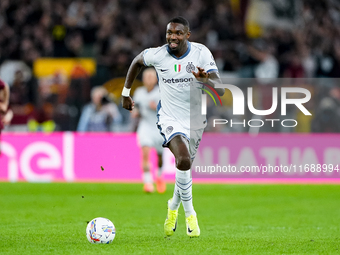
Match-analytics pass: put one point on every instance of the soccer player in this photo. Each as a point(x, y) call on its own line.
point(4, 101)
point(177, 63)
point(146, 99)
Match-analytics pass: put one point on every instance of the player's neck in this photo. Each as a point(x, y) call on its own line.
point(182, 51)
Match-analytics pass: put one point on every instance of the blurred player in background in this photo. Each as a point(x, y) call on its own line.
point(6, 115)
point(177, 63)
point(146, 99)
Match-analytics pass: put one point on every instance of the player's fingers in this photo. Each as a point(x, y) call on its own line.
point(195, 74)
point(200, 69)
point(132, 105)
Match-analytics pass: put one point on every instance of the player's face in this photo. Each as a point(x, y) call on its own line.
point(149, 80)
point(177, 36)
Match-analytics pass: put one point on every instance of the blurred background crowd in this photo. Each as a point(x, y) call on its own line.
point(248, 38)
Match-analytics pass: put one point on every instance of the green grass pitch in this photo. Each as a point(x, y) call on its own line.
point(234, 219)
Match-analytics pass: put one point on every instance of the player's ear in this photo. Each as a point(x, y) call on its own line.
point(188, 34)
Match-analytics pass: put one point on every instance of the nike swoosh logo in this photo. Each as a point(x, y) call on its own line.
point(189, 230)
point(174, 229)
point(164, 70)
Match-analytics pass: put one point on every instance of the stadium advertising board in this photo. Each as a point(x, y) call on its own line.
point(75, 157)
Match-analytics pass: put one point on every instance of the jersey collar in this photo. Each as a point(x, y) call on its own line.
point(184, 55)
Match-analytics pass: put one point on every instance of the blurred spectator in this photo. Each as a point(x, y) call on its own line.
point(75, 45)
point(112, 31)
point(294, 68)
point(32, 29)
point(67, 113)
point(42, 119)
point(327, 116)
point(101, 115)
point(19, 100)
point(268, 66)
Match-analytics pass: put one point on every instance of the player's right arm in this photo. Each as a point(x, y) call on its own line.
point(134, 69)
point(5, 100)
point(210, 78)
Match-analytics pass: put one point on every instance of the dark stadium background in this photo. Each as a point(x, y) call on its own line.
point(55, 179)
point(302, 37)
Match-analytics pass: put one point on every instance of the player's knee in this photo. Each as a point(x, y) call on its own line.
point(183, 163)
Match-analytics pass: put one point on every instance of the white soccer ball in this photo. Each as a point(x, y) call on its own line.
point(100, 230)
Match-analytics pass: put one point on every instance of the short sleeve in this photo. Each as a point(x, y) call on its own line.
point(148, 57)
point(207, 61)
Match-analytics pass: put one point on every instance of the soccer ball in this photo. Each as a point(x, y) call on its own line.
point(100, 230)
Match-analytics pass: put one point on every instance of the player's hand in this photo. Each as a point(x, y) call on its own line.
point(135, 113)
point(201, 74)
point(128, 103)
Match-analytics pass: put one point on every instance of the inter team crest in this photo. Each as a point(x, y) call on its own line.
point(169, 129)
point(190, 67)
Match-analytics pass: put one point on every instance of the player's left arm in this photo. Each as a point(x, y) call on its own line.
point(214, 78)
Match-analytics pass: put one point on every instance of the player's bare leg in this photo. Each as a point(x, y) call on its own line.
point(147, 176)
point(183, 186)
point(160, 183)
point(179, 147)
